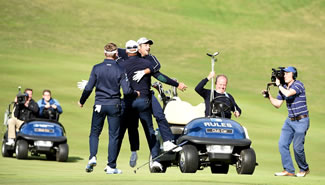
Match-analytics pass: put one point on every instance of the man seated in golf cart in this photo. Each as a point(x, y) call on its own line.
point(49, 107)
point(220, 96)
point(25, 108)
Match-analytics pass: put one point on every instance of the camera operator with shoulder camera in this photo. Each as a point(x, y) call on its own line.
point(297, 123)
point(25, 108)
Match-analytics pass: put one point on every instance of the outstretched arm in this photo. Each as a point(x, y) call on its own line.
point(165, 79)
point(88, 88)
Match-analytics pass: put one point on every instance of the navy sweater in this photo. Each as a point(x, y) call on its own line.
point(107, 77)
point(133, 64)
point(155, 66)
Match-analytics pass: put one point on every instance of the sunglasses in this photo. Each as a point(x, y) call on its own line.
point(133, 47)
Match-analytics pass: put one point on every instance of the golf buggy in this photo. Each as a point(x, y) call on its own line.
point(39, 136)
point(213, 141)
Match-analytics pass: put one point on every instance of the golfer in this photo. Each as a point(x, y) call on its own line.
point(295, 126)
point(140, 107)
point(144, 50)
point(107, 77)
point(144, 45)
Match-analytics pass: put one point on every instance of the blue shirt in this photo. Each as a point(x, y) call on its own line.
point(41, 104)
point(107, 77)
point(296, 104)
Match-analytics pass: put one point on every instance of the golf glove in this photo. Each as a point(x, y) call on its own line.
point(138, 75)
point(81, 85)
point(98, 108)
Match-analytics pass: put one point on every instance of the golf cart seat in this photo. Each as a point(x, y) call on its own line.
point(178, 113)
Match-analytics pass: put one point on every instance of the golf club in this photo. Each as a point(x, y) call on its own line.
point(213, 55)
point(213, 60)
point(162, 154)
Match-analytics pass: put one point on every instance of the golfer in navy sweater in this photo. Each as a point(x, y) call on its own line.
point(144, 51)
point(140, 107)
point(157, 111)
point(107, 77)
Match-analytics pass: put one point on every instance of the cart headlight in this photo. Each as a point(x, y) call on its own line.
point(225, 149)
point(185, 131)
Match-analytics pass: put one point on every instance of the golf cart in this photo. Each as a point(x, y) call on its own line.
point(213, 141)
point(39, 136)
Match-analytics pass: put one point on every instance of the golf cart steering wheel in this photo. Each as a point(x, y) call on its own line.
point(221, 105)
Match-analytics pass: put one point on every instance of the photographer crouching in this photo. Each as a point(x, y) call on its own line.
point(296, 125)
point(25, 108)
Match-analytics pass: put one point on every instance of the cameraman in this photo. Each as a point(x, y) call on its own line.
point(295, 126)
point(23, 110)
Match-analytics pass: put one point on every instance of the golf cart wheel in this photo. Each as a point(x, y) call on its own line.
point(246, 162)
point(164, 166)
point(21, 149)
point(219, 168)
point(62, 152)
point(189, 159)
point(5, 150)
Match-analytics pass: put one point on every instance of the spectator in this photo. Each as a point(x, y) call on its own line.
point(49, 107)
point(221, 86)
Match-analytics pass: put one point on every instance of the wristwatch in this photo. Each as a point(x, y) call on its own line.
point(279, 85)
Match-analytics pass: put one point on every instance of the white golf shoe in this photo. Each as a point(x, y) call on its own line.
point(156, 167)
point(168, 145)
point(303, 173)
point(91, 164)
point(110, 170)
point(284, 173)
point(10, 142)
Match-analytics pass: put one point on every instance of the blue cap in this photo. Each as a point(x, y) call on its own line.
point(290, 69)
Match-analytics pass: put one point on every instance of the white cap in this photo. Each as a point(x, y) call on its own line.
point(144, 40)
point(131, 46)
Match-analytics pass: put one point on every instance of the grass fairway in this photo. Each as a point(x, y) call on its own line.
point(53, 44)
